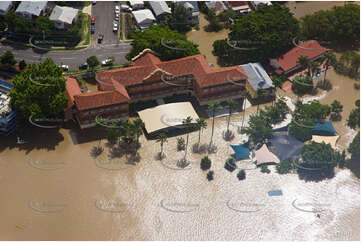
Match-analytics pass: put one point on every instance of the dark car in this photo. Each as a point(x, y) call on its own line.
point(92, 29)
point(100, 38)
point(83, 66)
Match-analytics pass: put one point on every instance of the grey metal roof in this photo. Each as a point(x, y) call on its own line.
point(5, 5)
point(64, 14)
point(160, 7)
point(188, 4)
point(33, 8)
point(257, 76)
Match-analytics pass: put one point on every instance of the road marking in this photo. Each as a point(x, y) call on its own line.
point(67, 58)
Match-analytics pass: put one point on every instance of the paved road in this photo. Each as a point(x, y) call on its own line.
point(104, 17)
point(69, 57)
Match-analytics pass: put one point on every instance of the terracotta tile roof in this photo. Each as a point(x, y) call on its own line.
point(237, 3)
point(98, 99)
point(146, 59)
point(310, 48)
point(195, 65)
point(72, 88)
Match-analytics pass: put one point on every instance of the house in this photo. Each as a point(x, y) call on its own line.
point(64, 17)
point(218, 6)
point(258, 79)
point(7, 113)
point(255, 4)
point(192, 6)
point(160, 8)
point(240, 7)
point(31, 10)
point(287, 63)
point(136, 4)
point(5, 6)
point(144, 18)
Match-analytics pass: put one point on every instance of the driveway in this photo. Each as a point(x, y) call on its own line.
point(103, 11)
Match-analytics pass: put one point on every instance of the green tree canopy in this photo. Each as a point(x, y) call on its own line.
point(40, 91)
point(92, 62)
point(8, 58)
point(353, 120)
point(354, 148)
point(259, 129)
point(44, 24)
point(167, 43)
point(302, 84)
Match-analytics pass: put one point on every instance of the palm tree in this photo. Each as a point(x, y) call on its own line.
point(244, 95)
point(314, 67)
point(330, 59)
point(187, 121)
point(138, 125)
point(232, 105)
point(200, 125)
point(161, 138)
point(214, 106)
point(304, 62)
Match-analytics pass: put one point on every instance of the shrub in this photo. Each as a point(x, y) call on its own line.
point(284, 167)
point(205, 163)
point(210, 175)
point(241, 175)
point(22, 65)
point(264, 169)
point(181, 145)
point(230, 164)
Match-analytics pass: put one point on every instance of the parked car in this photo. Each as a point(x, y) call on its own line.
point(94, 2)
point(117, 15)
point(125, 8)
point(100, 38)
point(92, 20)
point(92, 29)
point(107, 62)
point(117, 9)
point(115, 26)
point(64, 67)
point(83, 66)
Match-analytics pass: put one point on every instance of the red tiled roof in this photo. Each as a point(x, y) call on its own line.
point(98, 99)
point(195, 65)
point(310, 48)
point(72, 88)
point(234, 4)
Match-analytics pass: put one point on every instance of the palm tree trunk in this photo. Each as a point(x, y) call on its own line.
point(324, 77)
point(212, 128)
point(161, 150)
point(199, 137)
point(229, 119)
point(244, 112)
point(185, 153)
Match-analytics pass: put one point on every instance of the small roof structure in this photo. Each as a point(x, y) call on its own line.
point(192, 5)
point(5, 6)
point(136, 3)
point(257, 76)
point(326, 139)
point(63, 14)
point(241, 151)
point(218, 6)
point(32, 8)
point(285, 146)
point(167, 115)
point(326, 127)
point(143, 17)
point(263, 156)
point(160, 8)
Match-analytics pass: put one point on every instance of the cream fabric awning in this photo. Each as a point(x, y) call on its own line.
point(327, 139)
point(167, 115)
point(263, 155)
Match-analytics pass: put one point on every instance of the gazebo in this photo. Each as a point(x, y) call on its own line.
point(264, 156)
point(240, 151)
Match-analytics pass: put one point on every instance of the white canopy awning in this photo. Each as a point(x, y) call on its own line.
point(327, 139)
point(263, 155)
point(167, 115)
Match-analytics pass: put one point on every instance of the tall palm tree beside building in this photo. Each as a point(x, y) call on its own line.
point(161, 138)
point(231, 106)
point(304, 62)
point(200, 125)
point(244, 95)
point(187, 121)
point(213, 107)
point(138, 128)
point(329, 59)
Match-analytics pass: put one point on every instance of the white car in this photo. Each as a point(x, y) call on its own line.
point(64, 67)
point(117, 9)
point(115, 26)
point(106, 62)
point(125, 8)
